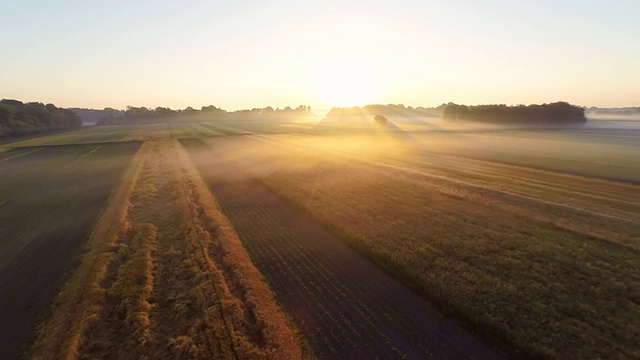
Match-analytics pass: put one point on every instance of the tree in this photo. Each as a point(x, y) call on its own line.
point(18, 118)
point(380, 119)
point(555, 113)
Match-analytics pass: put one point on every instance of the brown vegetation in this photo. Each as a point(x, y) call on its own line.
point(165, 276)
point(348, 307)
point(529, 258)
point(529, 238)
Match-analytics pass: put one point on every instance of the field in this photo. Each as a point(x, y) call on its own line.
point(165, 276)
point(244, 240)
point(345, 305)
point(50, 198)
point(527, 256)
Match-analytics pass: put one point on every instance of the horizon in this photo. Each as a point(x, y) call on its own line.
point(324, 111)
point(319, 179)
point(323, 55)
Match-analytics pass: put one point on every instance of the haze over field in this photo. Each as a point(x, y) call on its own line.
point(319, 180)
point(246, 54)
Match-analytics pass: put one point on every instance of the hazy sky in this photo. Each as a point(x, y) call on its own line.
point(242, 54)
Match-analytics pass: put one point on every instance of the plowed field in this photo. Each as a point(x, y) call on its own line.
point(165, 277)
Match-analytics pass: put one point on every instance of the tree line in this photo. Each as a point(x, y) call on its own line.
point(553, 113)
point(92, 116)
point(135, 115)
point(18, 118)
point(389, 111)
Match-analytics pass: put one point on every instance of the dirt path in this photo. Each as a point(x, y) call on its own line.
point(347, 307)
point(166, 277)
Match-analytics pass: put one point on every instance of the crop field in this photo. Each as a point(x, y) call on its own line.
point(345, 305)
point(251, 240)
point(119, 133)
point(165, 276)
point(541, 259)
point(50, 198)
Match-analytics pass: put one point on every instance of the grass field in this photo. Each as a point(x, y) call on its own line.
point(543, 260)
point(165, 276)
point(429, 243)
point(343, 303)
point(50, 198)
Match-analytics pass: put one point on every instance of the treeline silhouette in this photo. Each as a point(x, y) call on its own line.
point(545, 114)
point(623, 111)
point(401, 110)
point(18, 118)
point(137, 115)
point(389, 110)
point(92, 116)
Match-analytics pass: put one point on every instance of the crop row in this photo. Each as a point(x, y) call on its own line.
point(345, 305)
point(51, 199)
point(164, 278)
point(520, 268)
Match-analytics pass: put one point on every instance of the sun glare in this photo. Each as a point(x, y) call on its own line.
point(348, 79)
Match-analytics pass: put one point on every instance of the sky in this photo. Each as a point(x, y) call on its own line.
point(246, 54)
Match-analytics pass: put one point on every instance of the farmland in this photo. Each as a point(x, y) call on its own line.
point(251, 240)
point(165, 276)
point(348, 307)
point(50, 198)
point(542, 257)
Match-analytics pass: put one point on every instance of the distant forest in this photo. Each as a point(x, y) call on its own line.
point(92, 116)
point(545, 114)
point(630, 112)
point(390, 111)
point(18, 118)
point(137, 115)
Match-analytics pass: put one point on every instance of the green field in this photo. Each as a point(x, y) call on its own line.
point(50, 198)
point(529, 239)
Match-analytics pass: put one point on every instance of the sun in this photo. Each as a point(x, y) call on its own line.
point(347, 79)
